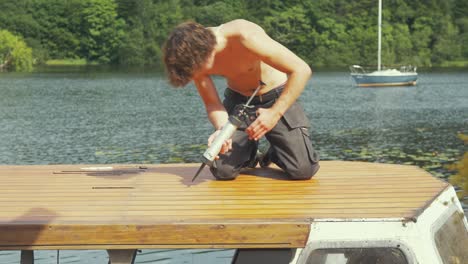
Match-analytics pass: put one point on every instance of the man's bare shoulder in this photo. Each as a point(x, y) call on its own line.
point(240, 28)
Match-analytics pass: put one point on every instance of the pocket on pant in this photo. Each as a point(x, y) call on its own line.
point(295, 117)
point(313, 155)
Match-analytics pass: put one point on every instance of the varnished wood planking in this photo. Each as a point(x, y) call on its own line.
point(147, 180)
point(153, 195)
point(152, 202)
point(167, 235)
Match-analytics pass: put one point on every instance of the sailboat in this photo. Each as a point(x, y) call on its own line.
point(405, 75)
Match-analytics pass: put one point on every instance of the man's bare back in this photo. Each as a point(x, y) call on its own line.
point(245, 55)
point(242, 69)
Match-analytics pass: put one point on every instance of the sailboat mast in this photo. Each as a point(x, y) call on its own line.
point(380, 36)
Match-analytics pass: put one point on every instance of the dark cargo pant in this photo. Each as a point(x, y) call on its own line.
point(290, 145)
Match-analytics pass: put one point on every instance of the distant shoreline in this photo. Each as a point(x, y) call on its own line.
point(83, 62)
point(69, 62)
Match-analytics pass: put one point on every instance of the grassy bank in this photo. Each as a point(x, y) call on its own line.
point(84, 62)
point(460, 63)
point(69, 62)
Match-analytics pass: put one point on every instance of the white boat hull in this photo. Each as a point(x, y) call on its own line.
point(385, 78)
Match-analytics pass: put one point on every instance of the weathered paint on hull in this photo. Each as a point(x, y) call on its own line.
point(364, 80)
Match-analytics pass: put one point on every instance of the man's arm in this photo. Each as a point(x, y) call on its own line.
point(254, 38)
point(214, 108)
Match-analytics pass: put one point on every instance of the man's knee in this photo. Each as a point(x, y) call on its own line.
point(303, 171)
point(224, 172)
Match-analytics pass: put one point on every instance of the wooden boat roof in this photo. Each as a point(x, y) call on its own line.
point(157, 206)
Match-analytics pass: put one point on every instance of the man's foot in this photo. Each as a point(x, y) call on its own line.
point(253, 162)
point(264, 159)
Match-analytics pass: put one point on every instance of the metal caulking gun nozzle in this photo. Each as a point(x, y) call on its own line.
point(226, 133)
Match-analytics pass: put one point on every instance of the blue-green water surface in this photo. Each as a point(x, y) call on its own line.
point(94, 116)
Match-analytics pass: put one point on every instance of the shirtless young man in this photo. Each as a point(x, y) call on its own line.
point(244, 54)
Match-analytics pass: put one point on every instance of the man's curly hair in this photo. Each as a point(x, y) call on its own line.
point(186, 50)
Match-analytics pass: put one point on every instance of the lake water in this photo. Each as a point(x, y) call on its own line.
point(99, 116)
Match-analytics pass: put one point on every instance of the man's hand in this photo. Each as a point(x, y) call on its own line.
point(227, 145)
point(267, 118)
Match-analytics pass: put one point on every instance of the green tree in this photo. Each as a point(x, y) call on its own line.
point(460, 11)
point(421, 39)
point(363, 43)
point(15, 55)
point(447, 46)
point(52, 27)
point(323, 32)
point(147, 31)
point(397, 46)
point(103, 31)
point(289, 27)
point(219, 12)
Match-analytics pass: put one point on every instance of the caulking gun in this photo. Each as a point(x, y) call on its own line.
point(234, 121)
